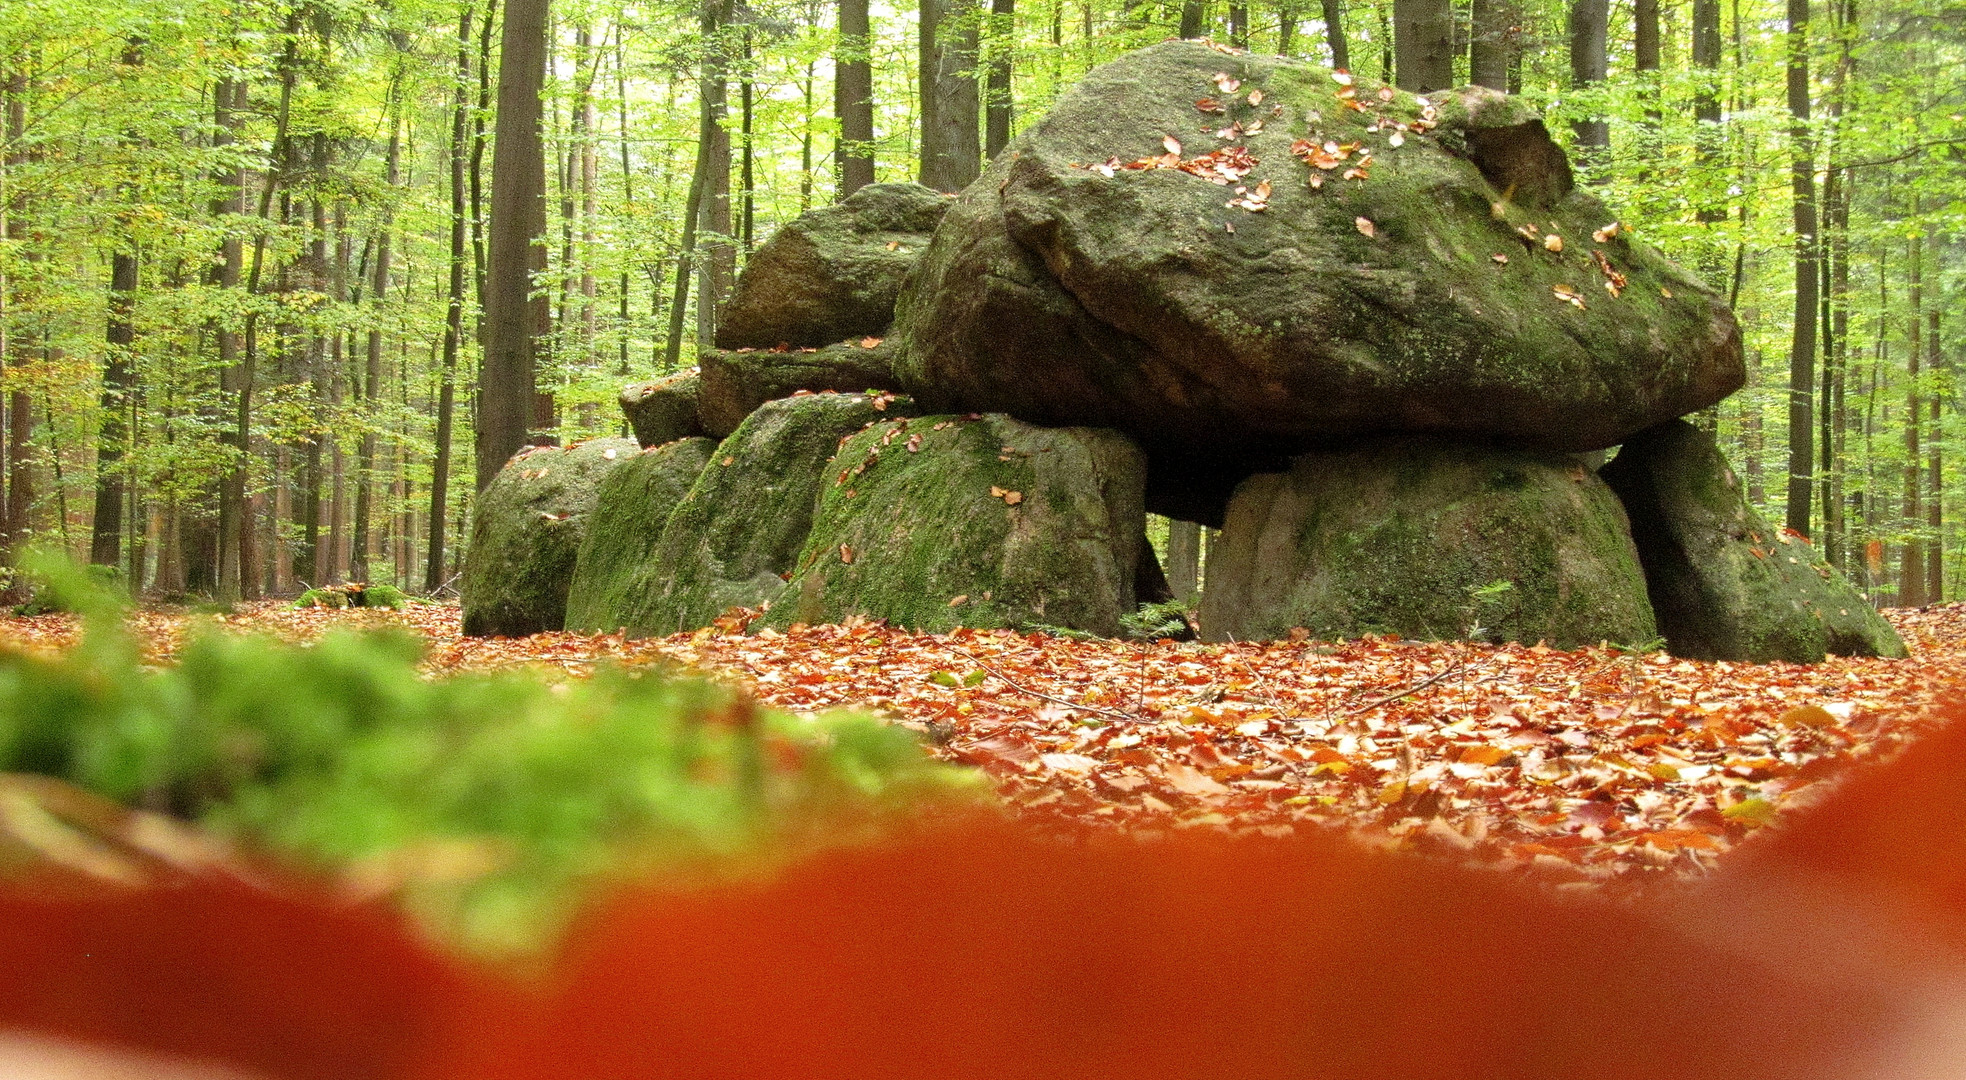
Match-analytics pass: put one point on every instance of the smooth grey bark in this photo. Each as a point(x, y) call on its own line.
point(997, 98)
point(1590, 31)
point(1802, 343)
point(1489, 44)
point(1334, 34)
point(853, 99)
point(1184, 560)
point(440, 469)
point(1423, 45)
point(514, 319)
point(951, 148)
point(118, 377)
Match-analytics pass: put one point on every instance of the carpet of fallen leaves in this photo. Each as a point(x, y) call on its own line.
point(1590, 765)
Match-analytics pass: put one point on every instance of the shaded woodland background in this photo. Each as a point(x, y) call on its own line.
point(282, 286)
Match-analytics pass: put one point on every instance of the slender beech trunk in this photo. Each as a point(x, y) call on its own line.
point(365, 480)
point(1239, 23)
point(1286, 29)
point(1194, 18)
point(513, 317)
point(1334, 34)
point(1802, 344)
point(1590, 32)
point(1706, 106)
point(118, 375)
point(1488, 44)
point(1423, 44)
point(1911, 571)
point(1645, 60)
point(14, 353)
point(747, 161)
point(853, 99)
point(951, 153)
point(1184, 560)
point(440, 469)
point(1935, 592)
point(628, 195)
point(717, 268)
point(997, 104)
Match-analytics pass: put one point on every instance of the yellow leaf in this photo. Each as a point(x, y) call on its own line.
point(1754, 812)
point(1664, 770)
point(1483, 755)
point(1811, 716)
point(1392, 793)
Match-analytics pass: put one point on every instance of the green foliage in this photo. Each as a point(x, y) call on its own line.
point(486, 799)
point(1153, 622)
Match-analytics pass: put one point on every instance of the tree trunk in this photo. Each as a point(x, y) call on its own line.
point(1488, 44)
point(951, 153)
point(853, 99)
point(1590, 31)
point(1239, 23)
point(440, 468)
point(1194, 18)
point(378, 299)
point(1334, 34)
point(1706, 103)
point(1286, 29)
point(717, 267)
point(1645, 59)
point(1935, 592)
point(1423, 44)
point(113, 436)
point(998, 103)
point(1184, 560)
point(1911, 571)
point(13, 354)
point(513, 317)
point(1802, 344)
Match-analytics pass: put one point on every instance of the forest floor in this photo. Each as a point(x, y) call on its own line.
point(1591, 765)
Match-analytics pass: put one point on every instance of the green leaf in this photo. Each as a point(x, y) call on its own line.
point(945, 678)
point(975, 678)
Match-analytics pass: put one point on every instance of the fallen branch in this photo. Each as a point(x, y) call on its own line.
point(1414, 689)
point(1013, 684)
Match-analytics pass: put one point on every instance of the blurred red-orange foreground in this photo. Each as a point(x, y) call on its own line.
point(1836, 949)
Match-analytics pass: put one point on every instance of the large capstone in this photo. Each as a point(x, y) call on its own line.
point(734, 538)
point(632, 506)
point(663, 411)
point(735, 382)
point(526, 530)
point(1214, 252)
point(832, 273)
point(1725, 583)
point(1428, 539)
point(947, 521)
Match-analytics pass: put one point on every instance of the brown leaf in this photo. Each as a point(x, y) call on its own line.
point(1365, 226)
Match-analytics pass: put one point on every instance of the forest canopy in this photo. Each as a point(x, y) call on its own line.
point(249, 247)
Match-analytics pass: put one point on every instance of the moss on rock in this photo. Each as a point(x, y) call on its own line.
point(525, 534)
point(1292, 325)
point(735, 382)
point(832, 273)
point(736, 534)
point(1413, 536)
point(632, 506)
point(663, 411)
point(1725, 583)
point(947, 521)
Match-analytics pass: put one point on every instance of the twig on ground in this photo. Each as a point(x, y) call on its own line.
point(1414, 689)
point(1068, 703)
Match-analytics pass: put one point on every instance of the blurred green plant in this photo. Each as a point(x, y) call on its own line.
point(489, 803)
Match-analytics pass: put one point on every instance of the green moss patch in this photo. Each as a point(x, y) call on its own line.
point(526, 530)
point(734, 537)
point(1428, 539)
point(631, 507)
point(985, 521)
point(1726, 583)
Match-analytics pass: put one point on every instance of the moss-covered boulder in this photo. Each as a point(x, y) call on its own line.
point(735, 536)
point(832, 273)
point(1426, 538)
point(947, 521)
point(663, 411)
point(737, 381)
point(526, 529)
point(1725, 583)
point(1269, 266)
point(632, 506)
